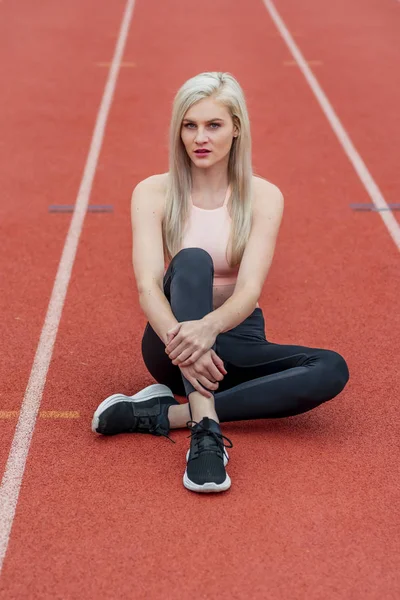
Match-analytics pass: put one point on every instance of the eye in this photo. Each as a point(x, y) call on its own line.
point(188, 125)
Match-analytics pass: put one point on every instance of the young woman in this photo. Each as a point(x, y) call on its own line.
point(217, 225)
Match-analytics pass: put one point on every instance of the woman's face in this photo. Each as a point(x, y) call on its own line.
point(208, 125)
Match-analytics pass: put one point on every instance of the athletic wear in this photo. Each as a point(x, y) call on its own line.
point(210, 229)
point(145, 412)
point(264, 380)
point(207, 458)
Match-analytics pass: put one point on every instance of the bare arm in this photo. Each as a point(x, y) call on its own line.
point(256, 261)
point(158, 311)
point(148, 255)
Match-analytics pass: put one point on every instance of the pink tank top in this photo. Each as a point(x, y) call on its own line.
point(209, 229)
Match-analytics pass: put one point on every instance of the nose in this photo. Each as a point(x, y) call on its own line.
point(200, 136)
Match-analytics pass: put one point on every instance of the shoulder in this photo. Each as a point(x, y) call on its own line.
point(267, 196)
point(266, 189)
point(155, 184)
point(151, 190)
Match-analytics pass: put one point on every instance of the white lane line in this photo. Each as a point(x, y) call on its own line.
point(360, 167)
point(14, 470)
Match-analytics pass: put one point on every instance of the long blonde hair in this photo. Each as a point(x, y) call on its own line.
point(226, 90)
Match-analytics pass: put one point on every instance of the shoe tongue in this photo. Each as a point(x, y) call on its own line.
point(210, 424)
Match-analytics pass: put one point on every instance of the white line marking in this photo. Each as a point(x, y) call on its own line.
point(360, 167)
point(14, 470)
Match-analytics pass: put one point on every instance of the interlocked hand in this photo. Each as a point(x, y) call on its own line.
point(190, 340)
point(207, 371)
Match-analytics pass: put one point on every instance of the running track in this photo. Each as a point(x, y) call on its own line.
point(312, 509)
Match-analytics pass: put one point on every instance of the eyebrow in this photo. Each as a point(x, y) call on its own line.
point(192, 121)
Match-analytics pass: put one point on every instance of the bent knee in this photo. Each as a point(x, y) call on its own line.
point(335, 372)
point(194, 256)
point(341, 368)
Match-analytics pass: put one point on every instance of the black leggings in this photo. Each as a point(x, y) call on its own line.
point(264, 380)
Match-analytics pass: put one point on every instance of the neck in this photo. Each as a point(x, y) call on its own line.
point(210, 182)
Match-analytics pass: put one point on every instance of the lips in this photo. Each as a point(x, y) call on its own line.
point(202, 151)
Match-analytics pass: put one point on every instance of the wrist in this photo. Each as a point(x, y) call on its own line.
point(212, 321)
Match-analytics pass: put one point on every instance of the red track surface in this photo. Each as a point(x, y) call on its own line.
point(311, 511)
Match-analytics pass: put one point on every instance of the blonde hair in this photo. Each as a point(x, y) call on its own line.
point(226, 90)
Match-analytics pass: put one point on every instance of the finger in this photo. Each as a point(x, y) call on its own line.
point(191, 358)
point(210, 385)
point(183, 358)
point(210, 370)
point(170, 337)
point(179, 348)
point(187, 362)
point(221, 367)
point(215, 373)
point(195, 356)
point(172, 345)
point(218, 362)
point(205, 366)
point(174, 330)
point(199, 388)
point(174, 342)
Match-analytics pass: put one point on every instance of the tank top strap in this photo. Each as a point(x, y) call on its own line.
point(227, 196)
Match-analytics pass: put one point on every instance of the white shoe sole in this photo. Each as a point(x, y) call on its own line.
point(207, 487)
point(151, 391)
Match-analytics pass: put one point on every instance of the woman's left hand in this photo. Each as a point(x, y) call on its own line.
point(191, 339)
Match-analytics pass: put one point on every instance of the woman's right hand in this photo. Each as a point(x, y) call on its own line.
point(207, 369)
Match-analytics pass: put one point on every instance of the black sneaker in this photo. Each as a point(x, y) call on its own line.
point(145, 412)
point(207, 458)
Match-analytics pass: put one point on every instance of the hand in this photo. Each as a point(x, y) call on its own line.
point(190, 340)
point(207, 369)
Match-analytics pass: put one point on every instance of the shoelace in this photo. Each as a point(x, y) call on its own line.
point(148, 424)
point(163, 434)
point(218, 437)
